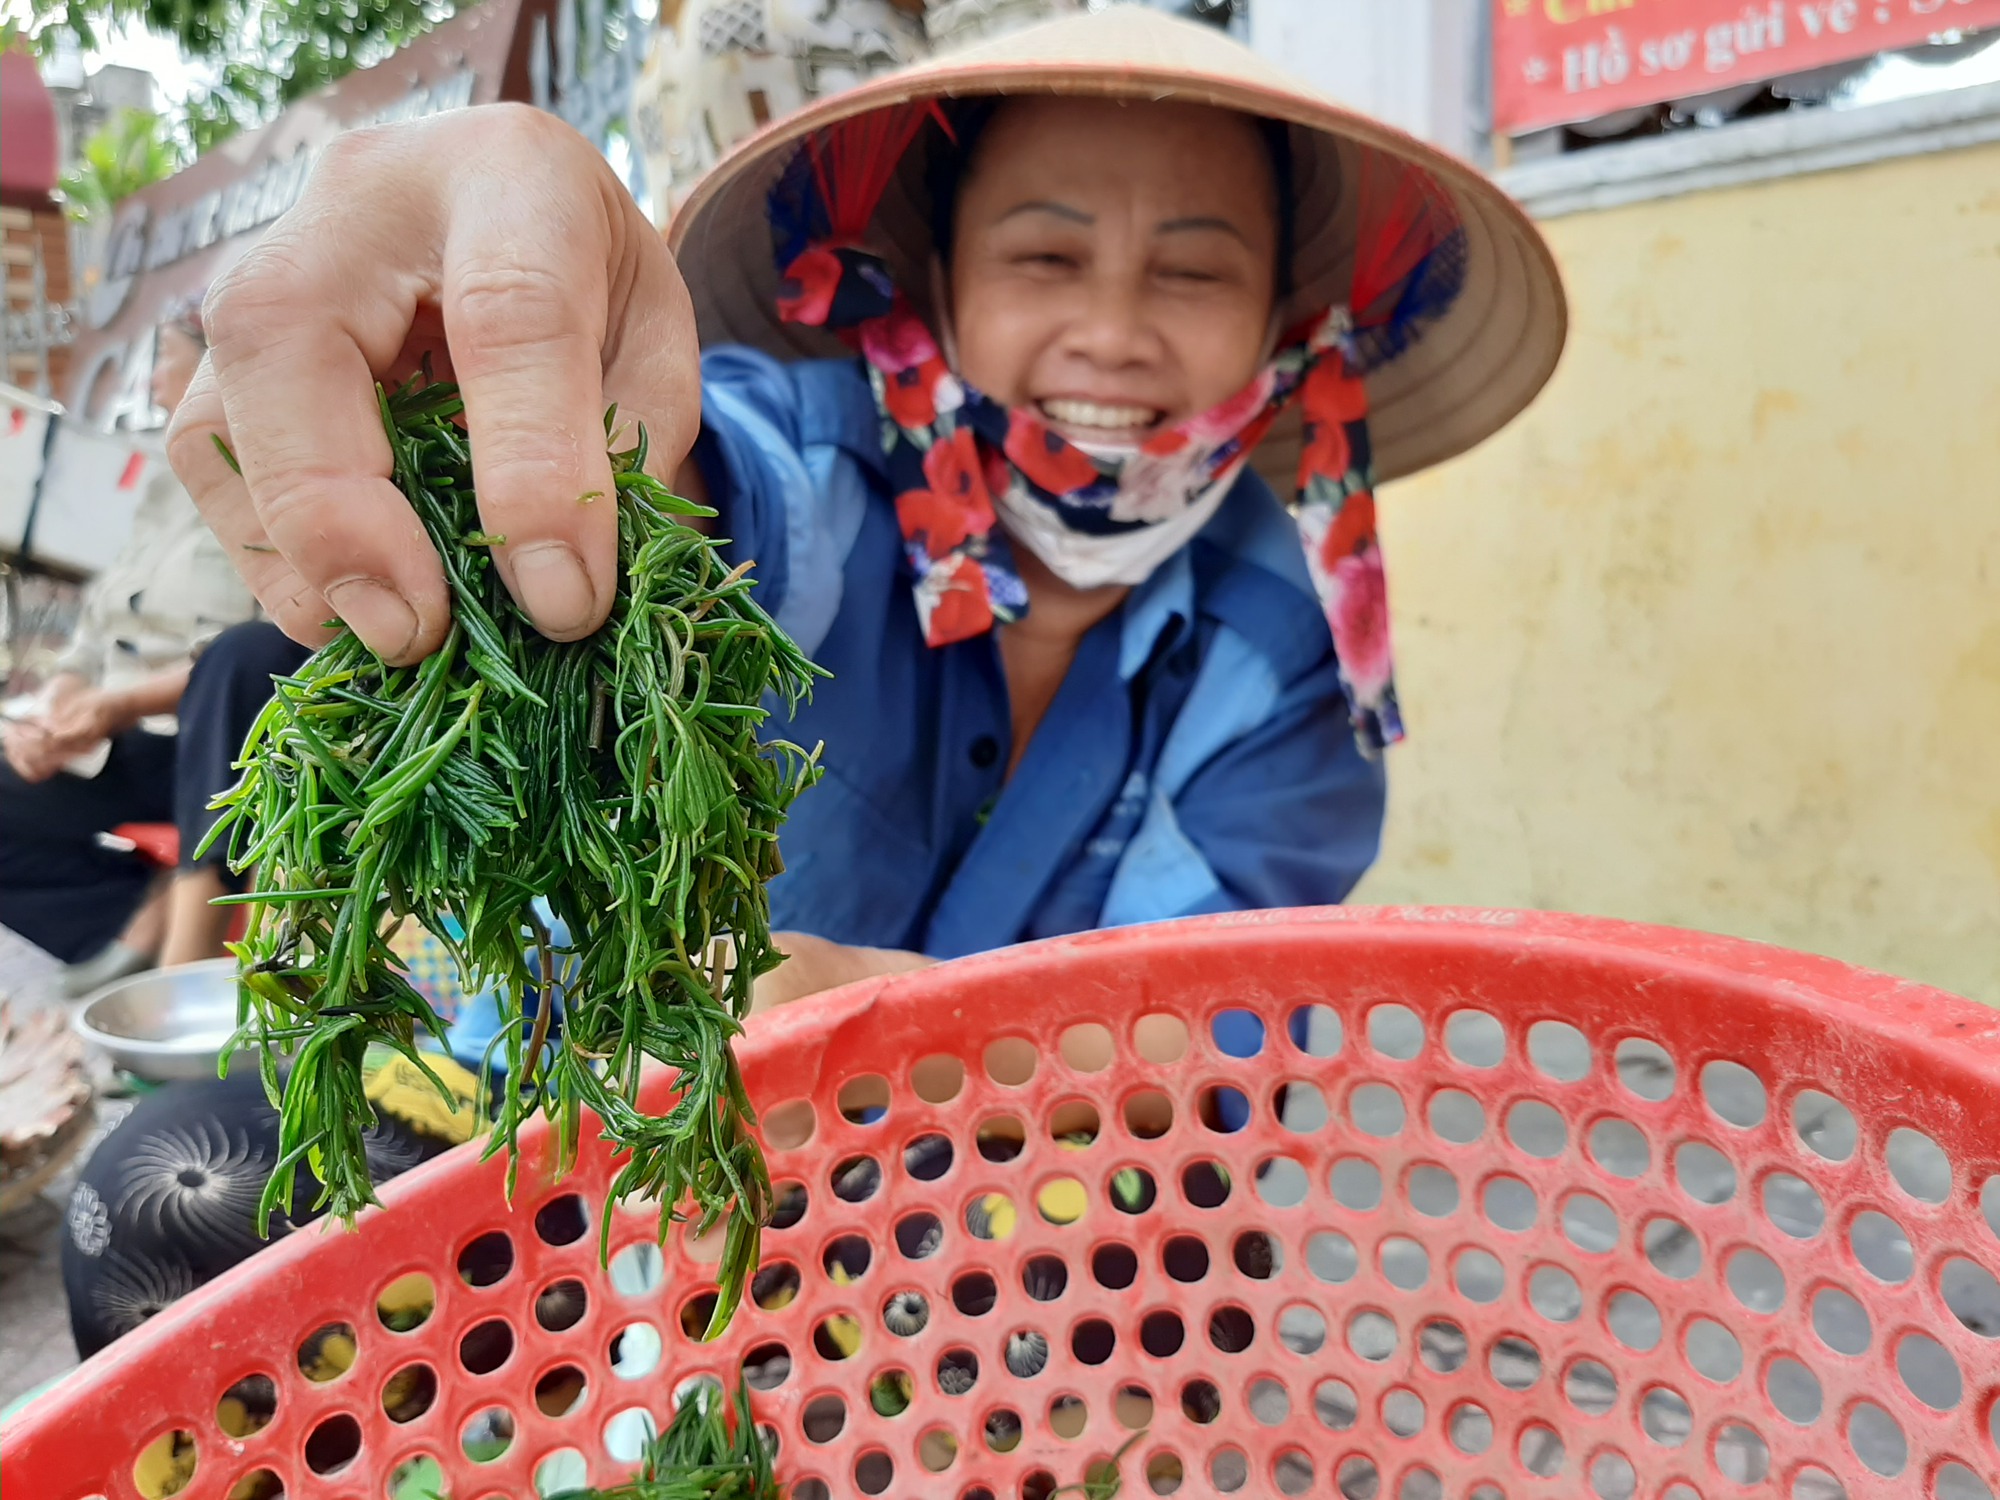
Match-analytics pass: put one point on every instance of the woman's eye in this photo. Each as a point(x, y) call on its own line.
point(1049, 258)
point(1190, 274)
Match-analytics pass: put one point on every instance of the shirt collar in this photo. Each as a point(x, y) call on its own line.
point(1163, 603)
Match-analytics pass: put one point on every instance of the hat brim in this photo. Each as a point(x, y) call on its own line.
point(1466, 377)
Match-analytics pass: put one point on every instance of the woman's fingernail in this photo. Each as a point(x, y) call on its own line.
point(376, 613)
point(553, 588)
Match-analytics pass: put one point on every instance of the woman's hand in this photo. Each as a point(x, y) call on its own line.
point(498, 242)
point(813, 964)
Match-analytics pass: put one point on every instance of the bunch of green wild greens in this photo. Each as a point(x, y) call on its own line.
point(620, 778)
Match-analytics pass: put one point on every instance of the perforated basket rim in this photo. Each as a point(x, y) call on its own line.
point(1949, 1043)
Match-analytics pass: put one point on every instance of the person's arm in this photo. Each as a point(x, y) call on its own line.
point(150, 696)
point(497, 243)
point(813, 965)
point(81, 716)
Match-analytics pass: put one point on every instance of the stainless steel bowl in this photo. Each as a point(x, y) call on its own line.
point(165, 1024)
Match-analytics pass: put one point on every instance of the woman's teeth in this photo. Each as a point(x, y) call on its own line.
point(1092, 414)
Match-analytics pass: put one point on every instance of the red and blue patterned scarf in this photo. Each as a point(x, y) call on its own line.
point(951, 449)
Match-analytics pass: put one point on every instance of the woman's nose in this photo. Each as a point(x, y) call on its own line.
point(1111, 327)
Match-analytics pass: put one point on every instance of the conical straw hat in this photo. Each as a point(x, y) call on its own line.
point(1468, 374)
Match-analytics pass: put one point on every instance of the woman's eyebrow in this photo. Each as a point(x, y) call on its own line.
point(1204, 222)
point(1045, 206)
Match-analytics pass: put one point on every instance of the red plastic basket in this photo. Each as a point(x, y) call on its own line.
point(1495, 1205)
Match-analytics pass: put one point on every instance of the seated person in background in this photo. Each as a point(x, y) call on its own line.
point(172, 589)
point(226, 691)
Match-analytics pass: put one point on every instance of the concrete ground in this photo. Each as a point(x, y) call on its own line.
point(34, 1322)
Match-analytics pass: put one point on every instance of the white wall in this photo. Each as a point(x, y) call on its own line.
point(1409, 62)
point(92, 488)
point(20, 462)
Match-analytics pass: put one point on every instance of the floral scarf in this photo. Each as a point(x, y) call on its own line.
point(952, 450)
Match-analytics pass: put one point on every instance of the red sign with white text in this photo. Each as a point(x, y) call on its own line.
point(1561, 60)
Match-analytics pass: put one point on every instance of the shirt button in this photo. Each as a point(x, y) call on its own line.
point(985, 751)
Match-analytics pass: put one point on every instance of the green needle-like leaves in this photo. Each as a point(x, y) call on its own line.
point(619, 777)
point(703, 1455)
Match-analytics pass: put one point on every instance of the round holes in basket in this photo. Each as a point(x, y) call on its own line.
point(486, 1346)
point(928, 1157)
point(635, 1271)
point(487, 1435)
point(635, 1351)
point(563, 1220)
point(333, 1443)
point(1001, 1138)
point(626, 1436)
point(1558, 1051)
point(1824, 1126)
point(919, 1236)
point(937, 1079)
point(1257, 1255)
point(1301, 1107)
point(260, 1484)
point(247, 1407)
point(1148, 1114)
point(789, 1126)
point(560, 1390)
point(1044, 1277)
point(837, 1337)
point(406, 1303)
point(1478, 1277)
point(167, 1465)
point(486, 1259)
point(1475, 1039)
point(409, 1392)
point(1734, 1094)
point(560, 1305)
point(1356, 1184)
point(864, 1099)
point(1223, 1109)
point(974, 1293)
point(1162, 1333)
point(775, 1286)
point(1395, 1032)
point(789, 1202)
point(416, 1478)
point(846, 1259)
point(1011, 1060)
point(1645, 1069)
point(560, 1472)
point(856, 1179)
point(328, 1352)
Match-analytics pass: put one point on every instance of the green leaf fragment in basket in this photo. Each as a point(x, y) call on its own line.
point(711, 1450)
point(1102, 1481)
point(619, 778)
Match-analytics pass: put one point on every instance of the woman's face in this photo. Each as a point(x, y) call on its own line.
point(1112, 264)
point(175, 357)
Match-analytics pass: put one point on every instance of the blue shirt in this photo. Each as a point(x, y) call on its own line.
point(1197, 757)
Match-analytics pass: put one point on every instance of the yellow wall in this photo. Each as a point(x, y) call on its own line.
point(1711, 636)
